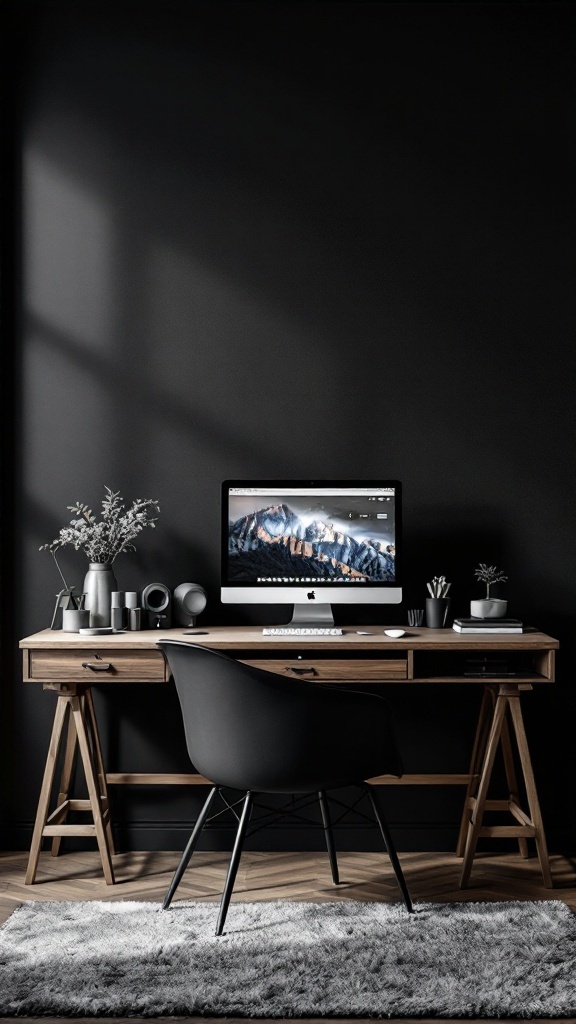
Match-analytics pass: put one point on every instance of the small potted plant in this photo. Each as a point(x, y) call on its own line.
point(489, 607)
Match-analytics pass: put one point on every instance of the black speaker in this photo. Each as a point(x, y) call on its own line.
point(189, 601)
point(156, 604)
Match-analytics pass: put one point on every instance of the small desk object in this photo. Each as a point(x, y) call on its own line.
point(506, 665)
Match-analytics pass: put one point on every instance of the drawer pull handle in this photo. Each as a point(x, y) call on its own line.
point(300, 671)
point(102, 666)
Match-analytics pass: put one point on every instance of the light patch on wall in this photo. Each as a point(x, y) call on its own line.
point(67, 254)
point(66, 439)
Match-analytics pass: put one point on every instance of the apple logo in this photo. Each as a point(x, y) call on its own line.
point(311, 596)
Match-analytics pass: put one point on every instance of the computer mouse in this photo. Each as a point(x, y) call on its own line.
point(196, 632)
point(395, 633)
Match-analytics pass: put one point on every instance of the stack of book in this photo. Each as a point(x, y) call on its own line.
point(487, 625)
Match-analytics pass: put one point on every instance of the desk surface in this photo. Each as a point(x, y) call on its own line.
point(251, 637)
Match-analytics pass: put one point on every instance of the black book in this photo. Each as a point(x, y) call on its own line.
point(486, 622)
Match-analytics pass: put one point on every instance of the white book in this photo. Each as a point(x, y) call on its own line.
point(488, 629)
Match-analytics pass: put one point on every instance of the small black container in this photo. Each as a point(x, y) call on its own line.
point(437, 611)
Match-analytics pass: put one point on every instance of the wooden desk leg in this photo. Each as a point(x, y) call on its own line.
point(530, 825)
point(531, 793)
point(93, 790)
point(82, 730)
point(89, 715)
point(477, 813)
point(99, 761)
point(478, 752)
point(66, 778)
point(512, 783)
point(46, 789)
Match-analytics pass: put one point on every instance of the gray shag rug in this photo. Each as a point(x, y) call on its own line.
point(288, 959)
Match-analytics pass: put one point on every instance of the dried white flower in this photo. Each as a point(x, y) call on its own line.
point(103, 540)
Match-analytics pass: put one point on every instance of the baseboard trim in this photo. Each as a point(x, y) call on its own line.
point(416, 837)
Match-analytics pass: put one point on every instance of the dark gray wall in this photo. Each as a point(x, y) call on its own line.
point(292, 240)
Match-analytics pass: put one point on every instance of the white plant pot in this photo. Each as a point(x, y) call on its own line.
point(488, 608)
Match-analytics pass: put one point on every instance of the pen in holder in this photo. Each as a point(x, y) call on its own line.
point(438, 603)
point(415, 616)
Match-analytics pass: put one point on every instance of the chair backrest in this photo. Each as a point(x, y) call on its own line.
point(251, 729)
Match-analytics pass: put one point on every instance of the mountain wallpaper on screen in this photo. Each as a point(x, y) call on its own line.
point(275, 542)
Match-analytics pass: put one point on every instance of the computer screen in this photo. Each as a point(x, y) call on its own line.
point(311, 544)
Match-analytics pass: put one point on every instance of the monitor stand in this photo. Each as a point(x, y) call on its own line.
point(312, 615)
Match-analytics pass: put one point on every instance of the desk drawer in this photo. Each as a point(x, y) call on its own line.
point(121, 666)
point(335, 670)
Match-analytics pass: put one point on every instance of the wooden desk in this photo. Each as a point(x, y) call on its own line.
point(69, 665)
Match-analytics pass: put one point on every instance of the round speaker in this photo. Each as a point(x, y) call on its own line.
point(155, 597)
point(189, 601)
point(156, 603)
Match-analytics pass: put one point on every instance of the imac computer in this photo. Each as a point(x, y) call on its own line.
point(311, 544)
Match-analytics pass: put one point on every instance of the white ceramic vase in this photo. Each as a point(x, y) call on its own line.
point(99, 584)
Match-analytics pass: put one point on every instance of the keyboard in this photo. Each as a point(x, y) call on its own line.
point(303, 631)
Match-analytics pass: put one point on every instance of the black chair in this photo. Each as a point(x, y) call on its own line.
point(252, 730)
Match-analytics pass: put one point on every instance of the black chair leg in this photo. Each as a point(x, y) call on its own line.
point(391, 850)
point(329, 836)
point(200, 822)
point(234, 861)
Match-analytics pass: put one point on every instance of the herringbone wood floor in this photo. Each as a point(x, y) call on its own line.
point(299, 876)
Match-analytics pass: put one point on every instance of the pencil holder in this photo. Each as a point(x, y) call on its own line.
point(74, 619)
point(437, 611)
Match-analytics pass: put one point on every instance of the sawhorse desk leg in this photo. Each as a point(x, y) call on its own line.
point(74, 703)
point(493, 732)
